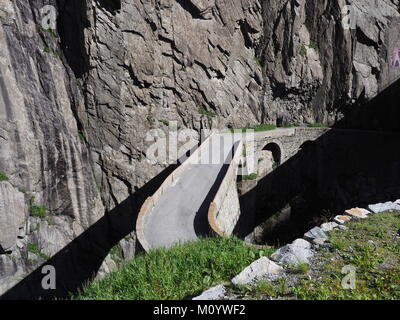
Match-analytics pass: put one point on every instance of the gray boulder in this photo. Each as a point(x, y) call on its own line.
point(260, 269)
point(215, 293)
point(299, 251)
point(328, 226)
point(386, 206)
point(315, 233)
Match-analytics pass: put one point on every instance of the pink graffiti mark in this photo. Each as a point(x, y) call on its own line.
point(395, 59)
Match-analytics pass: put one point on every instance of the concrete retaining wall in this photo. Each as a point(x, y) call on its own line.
point(224, 210)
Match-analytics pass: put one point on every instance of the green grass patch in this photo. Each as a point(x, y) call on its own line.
point(251, 176)
point(262, 290)
point(317, 125)
point(263, 127)
point(303, 50)
point(38, 211)
point(47, 50)
point(301, 268)
point(81, 136)
point(50, 31)
point(117, 253)
point(289, 125)
point(314, 46)
point(3, 177)
point(258, 61)
point(207, 113)
point(257, 128)
point(33, 248)
point(369, 245)
point(175, 273)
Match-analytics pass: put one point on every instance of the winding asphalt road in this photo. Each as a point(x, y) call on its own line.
point(180, 214)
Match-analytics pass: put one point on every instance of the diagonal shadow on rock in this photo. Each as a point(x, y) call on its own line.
point(342, 169)
point(79, 261)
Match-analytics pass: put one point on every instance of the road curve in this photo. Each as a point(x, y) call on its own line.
point(180, 213)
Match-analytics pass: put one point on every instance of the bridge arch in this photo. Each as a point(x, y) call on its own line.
point(276, 151)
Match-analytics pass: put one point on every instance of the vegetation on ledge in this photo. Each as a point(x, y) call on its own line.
point(37, 211)
point(257, 128)
point(3, 177)
point(370, 245)
point(251, 176)
point(317, 125)
point(210, 114)
point(176, 273)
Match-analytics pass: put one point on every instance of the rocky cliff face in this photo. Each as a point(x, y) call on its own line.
point(314, 67)
point(78, 102)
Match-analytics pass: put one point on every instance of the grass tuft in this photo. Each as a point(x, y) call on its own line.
point(301, 268)
point(3, 177)
point(38, 211)
point(251, 176)
point(176, 273)
point(210, 114)
point(317, 125)
point(33, 248)
point(257, 128)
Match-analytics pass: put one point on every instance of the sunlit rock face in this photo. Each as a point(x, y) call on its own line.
point(321, 56)
point(78, 103)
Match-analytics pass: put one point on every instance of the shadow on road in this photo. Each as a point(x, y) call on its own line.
point(201, 225)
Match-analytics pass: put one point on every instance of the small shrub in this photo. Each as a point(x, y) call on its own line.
point(117, 253)
point(38, 211)
point(314, 46)
point(207, 113)
point(303, 51)
point(81, 135)
point(3, 177)
point(251, 176)
point(301, 268)
point(33, 248)
point(50, 31)
point(258, 61)
point(47, 50)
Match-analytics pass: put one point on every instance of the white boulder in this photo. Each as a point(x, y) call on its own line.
point(299, 251)
point(260, 269)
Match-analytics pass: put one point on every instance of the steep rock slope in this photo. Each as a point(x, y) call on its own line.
point(315, 67)
point(78, 103)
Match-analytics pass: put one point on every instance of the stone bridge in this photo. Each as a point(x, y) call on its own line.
point(201, 194)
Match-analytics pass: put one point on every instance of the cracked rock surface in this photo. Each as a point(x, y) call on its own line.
point(77, 103)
